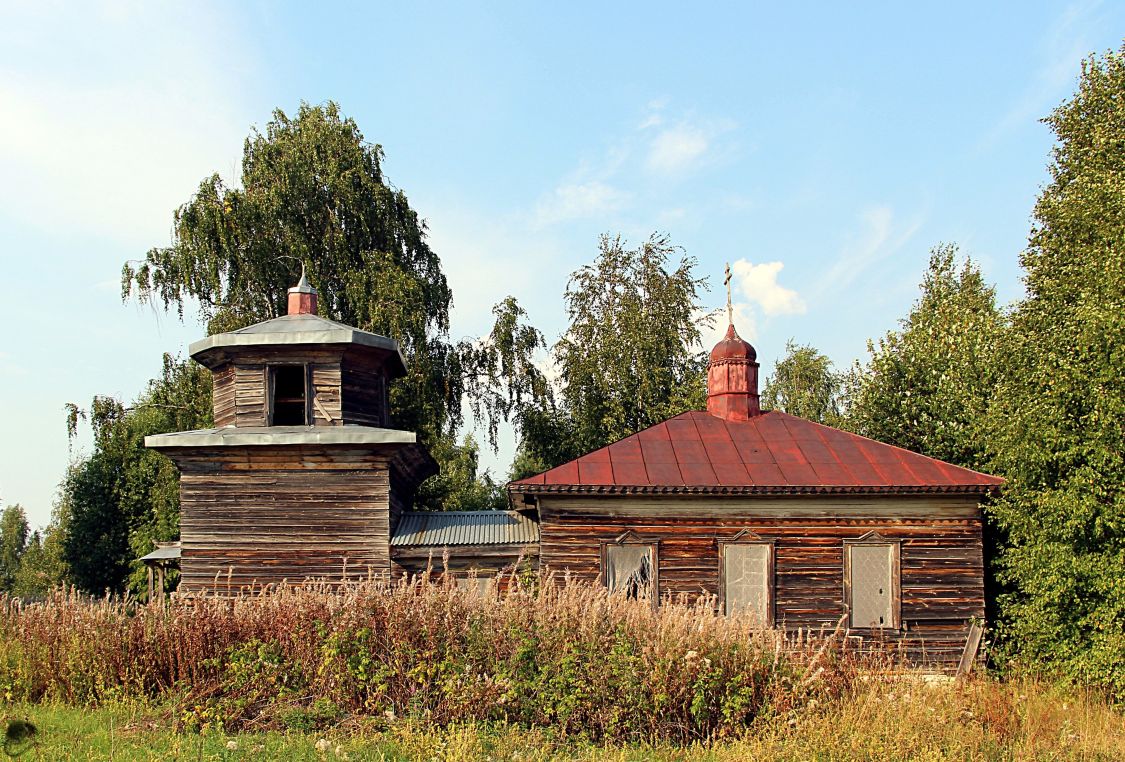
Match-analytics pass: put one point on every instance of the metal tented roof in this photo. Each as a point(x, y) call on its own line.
point(430, 528)
point(772, 453)
point(292, 331)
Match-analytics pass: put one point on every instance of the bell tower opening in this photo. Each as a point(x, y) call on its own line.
point(289, 395)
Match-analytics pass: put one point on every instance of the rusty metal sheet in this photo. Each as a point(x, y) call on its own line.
point(772, 453)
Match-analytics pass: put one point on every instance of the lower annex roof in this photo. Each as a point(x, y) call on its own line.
point(437, 528)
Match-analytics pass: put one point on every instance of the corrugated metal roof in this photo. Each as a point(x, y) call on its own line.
point(430, 528)
point(772, 453)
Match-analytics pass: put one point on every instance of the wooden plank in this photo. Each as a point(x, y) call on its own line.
point(972, 647)
point(938, 589)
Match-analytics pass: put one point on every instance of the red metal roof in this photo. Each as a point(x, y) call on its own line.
point(772, 453)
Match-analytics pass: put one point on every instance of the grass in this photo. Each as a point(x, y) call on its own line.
point(881, 720)
point(545, 671)
point(546, 655)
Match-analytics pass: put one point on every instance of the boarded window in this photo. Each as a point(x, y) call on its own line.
point(629, 569)
point(872, 570)
point(746, 580)
point(288, 395)
point(474, 584)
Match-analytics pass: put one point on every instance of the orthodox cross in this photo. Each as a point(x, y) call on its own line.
point(730, 310)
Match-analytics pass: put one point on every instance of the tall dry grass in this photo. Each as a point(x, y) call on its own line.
point(554, 654)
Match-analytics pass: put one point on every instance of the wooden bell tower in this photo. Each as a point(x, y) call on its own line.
point(302, 476)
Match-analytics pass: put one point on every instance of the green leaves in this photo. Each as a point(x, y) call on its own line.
point(313, 195)
point(122, 497)
point(1055, 426)
point(804, 384)
point(926, 388)
point(629, 359)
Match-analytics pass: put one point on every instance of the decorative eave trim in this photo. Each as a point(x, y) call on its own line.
point(275, 436)
point(755, 489)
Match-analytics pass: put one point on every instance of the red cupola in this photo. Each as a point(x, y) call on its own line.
point(732, 379)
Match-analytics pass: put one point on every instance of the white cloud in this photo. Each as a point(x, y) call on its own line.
point(745, 323)
point(677, 149)
point(108, 131)
point(684, 146)
point(758, 283)
point(655, 115)
point(578, 200)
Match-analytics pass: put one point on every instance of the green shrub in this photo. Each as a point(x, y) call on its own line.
point(565, 656)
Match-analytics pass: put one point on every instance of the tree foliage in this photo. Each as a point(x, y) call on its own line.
point(122, 497)
point(927, 386)
point(1056, 426)
point(14, 535)
point(41, 567)
point(313, 194)
point(629, 359)
point(804, 384)
point(461, 485)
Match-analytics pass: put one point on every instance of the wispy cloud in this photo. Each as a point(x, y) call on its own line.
point(657, 145)
point(682, 144)
point(880, 236)
point(677, 149)
point(1066, 44)
point(576, 200)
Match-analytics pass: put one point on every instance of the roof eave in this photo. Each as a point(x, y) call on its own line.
point(757, 489)
point(214, 350)
point(273, 436)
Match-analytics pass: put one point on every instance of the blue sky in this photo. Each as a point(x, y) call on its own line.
point(823, 150)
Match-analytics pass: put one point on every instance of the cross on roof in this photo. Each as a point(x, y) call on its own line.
point(730, 309)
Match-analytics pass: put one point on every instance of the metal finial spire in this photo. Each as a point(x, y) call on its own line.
point(730, 309)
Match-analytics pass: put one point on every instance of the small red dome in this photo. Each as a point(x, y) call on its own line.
point(732, 347)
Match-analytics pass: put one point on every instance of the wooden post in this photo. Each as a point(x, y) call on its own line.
point(149, 568)
point(972, 646)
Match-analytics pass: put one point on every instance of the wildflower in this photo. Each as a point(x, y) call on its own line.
point(323, 745)
point(232, 745)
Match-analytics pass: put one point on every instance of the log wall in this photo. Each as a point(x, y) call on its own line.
point(260, 515)
point(364, 389)
point(223, 395)
point(942, 565)
point(459, 560)
point(349, 388)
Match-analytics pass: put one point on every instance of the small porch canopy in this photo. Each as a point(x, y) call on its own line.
point(166, 555)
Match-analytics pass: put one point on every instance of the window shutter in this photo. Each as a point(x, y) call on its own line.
point(872, 585)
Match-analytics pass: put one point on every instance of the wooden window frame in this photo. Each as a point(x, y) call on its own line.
point(746, 537)
point(630, 537)
point(270, 389)
point(874, 538)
